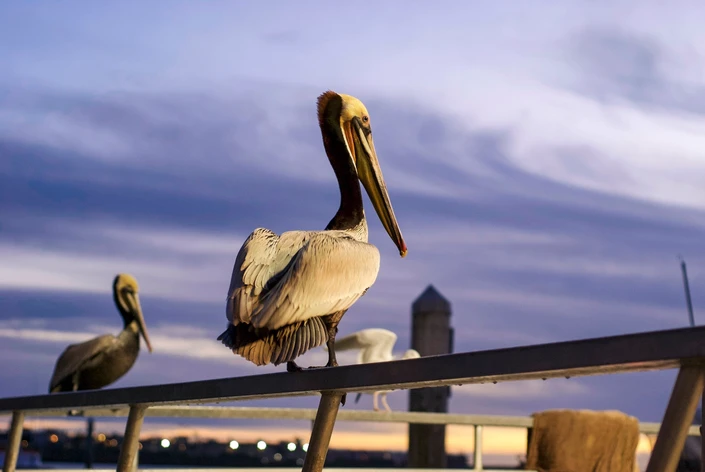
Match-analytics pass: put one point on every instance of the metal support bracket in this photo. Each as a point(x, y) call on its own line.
point(477, 450)
point(14, 440)
point(322, 431)
point(130, 445)
point(702, 434)
point(679, 414)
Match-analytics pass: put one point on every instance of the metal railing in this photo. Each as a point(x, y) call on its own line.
point(478, 422)
point(682, 349)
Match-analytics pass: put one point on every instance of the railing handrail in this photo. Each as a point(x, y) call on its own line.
point(656, 350)
point(271, 413)
point(678, 348)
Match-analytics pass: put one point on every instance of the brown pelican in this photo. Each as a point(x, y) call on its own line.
point(374, 345)
point(103, 360)
point(289, 292)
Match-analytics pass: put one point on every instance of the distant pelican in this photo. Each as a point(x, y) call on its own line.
point(373, 345)
point(288, 293)
point(103, 360)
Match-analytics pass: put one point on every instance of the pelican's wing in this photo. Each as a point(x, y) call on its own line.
point(381, 348)
point(76, 356)
point(262, 258)
point(364, 339)
point(329, 273)
point(375, 344)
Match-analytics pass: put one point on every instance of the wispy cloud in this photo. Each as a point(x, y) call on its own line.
point(615, 65)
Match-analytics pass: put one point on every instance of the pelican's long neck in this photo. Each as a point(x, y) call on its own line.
point(127, 317)
point(130, 333)
point(350, 215)
point(130, 330)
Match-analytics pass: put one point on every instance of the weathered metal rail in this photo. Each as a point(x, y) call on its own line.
point(309, 414)
point(682, 349)
point(478, 422)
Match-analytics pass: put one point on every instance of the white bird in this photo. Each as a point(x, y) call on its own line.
point(374, 345)
point(288, 293)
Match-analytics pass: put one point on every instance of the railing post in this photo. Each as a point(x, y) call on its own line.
point(14, 440)
point(477, 452)
point(89, 443)
point(130, 444)
point(322, 431)
point(677, 419)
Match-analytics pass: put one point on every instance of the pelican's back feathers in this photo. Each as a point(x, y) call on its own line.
point(284, 287)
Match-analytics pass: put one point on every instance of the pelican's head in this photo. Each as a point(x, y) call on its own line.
point(411, 354)
point(125, 292)
point(348, 117)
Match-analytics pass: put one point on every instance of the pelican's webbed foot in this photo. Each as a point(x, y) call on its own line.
point(292, 366)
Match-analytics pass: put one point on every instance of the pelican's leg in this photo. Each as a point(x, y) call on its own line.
point(292, 366)
point(331, 322)
point(384, 402)
point(375, 401)
point(75, 380)
point(332, 361)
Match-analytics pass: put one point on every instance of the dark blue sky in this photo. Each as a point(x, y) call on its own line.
point(544, 186)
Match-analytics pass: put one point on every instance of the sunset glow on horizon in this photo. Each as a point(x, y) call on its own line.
point(369, 436)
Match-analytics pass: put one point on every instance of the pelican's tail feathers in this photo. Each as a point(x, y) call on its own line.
point(293, 340)
point(228, 336)
point(261, 346)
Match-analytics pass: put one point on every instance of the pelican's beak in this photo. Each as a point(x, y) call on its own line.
point(133, 301)
point(370, 175)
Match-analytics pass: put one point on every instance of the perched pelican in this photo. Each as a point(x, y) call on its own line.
point(373, 345)
point(288, 292)
point(103, 360)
